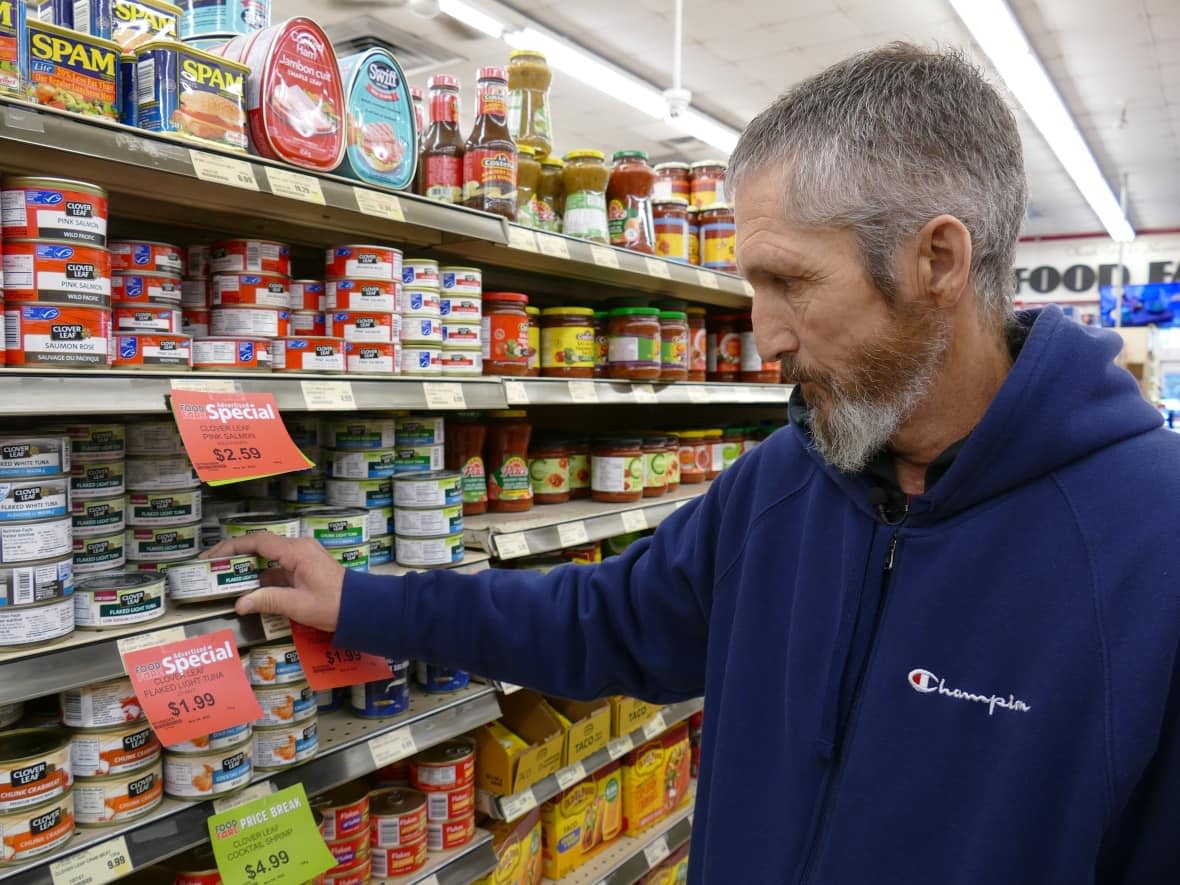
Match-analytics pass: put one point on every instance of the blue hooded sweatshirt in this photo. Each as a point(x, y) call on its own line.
point(984, 694)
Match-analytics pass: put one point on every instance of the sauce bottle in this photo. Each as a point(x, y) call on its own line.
point(440, 170)
point(489, 159)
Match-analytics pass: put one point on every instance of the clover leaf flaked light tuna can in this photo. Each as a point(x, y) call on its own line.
point(98, 553)
point(324, 355)
point(53, 209)
point(153, 351)
point(201, 580)
point(294, 95)
point(101, 516)
point(72, 71)
point(382, 130)
point(117, 599)
point(51, 272)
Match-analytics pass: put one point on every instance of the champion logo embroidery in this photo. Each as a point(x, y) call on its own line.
point(925, 682)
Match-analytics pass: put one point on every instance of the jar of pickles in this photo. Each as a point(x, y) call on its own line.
point(585, 178)
point(674, 345)
point(634, 347)
point(628, 202)
point(567, 342)
point(707, 183)
point(550, 195)
point(528, 176)
point(670, 221)
point(528, 100)
point(534, 362)
point(549, 471)
point(673, 180)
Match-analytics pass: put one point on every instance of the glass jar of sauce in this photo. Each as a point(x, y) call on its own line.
point(585, 178)
point(549, 471)
point(634, 347)
point(506, 457)
point(505, 328)
point(698, 344)
point(694, 235)
point(754, 369)
point(674, 345)
point(672, 452)
point(601, 343)
point(708, 183)
point(528, 100)
point(715, 447)
point(694, 456)
point(673, 180)
point(579, 468)
point(550, 195)
point(440, 168)
point(732, 445)
point(489, 156)
point(528, 176)
point(567, 342)
point(725, 347)
point(465, 437)
point(616, 470)
point(628, 202)
point(670, 220)
point(655, 467)
point(718, 235)
point(534, 365)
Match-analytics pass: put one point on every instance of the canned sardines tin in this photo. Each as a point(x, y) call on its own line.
point(29, 625)
point(146, 255)
point(389, 863)
point(40, 498)
point(419, 459)
point(428, 522)
point(448, 835)
point(62, 337)
point(380, 699)
point(36, 830)
point(420, 430)
point(461, 363)
point(53, 209)
point(363, 326)
point(378, 296)
point(134, 316)
point(437, 488)
point(365, 493)
point(345, 811)
point(96, 479)
point(153, 438)
point(34, 767)
point(206, 775)
point(141, 287)
point(37, 539)
point(116, 599)
point(153, 351)
point(276, 663)
point(335, 526)
point(250, 256)
point(428, 552)
point(103, 801)
point(201, 580)
point(380, 550)
point(397, 816)
point(286, 745)
point(444, 767)
point(365, 464)
point(96, 441)
point(247, 523)
point(232, 354)
point(421, 331)
point(99, 516)
point(363, 263)
point(121, 749)
point(421, 272)
point(450, 804)
point(101, 705)
point(99, 553)
point(358, 433)
point(166, 507)
point(307, 295)
point(461, 281)
point(284, 704)
point(167, 544)
point(371, 358)
point(260, 290)
point(37, 582)
point(307, 354)
point(251, 322)
point(68, 69)
point(160, 473)
point(354, 556)
point(22, 456)
point(468, 308)
point(419, 302)
point(234, 736)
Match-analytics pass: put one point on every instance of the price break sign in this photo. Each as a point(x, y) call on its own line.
point(192, 687)
point(272, 840)
point(325, 667)
point(231, 437)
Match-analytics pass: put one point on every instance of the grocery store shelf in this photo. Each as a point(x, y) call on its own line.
point(517, 805)
point(556, 526)
point(630, 858)
point(458, 867)
point(347, 752)
point(474, 562)
point(560, 392)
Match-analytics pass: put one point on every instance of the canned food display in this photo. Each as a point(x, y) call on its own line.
point(36, 830)
point(202, 580)
point(345, 811)
point(358, 492)
point(195, 294)
point(305, 487)
point(168, 544)
point(117, 798)
point(360, 464)
point(25, 456)
point(233, 736)
point(397, 816)
point(234, 354)
point(428, 522)
point(63, 337)
point(421, 332)
point(99, 553)
point(146, 317)
point(47, 272)
point(286, 745)
point(250, 256)
point(363, 263)
point(96, 479)
point(307, 322)
point(364, 295)
point(428, 552)
point(146, 255)
point(437, 679)
point(335, 527)
point(400, 861)
point(153, 438)
point(419, 459)
point(260, 290)
point(161, 473)
point(118, 750)
point(40, 498)
point(34, 767)
point(284, 704)
point(380, 521)
point(445, 767)
point(358, 874)
point(462, 335)
point(139, 287)
point(153, 351)
point(422, 272)
point(439, 488)
point(22, 542)
point(117, 599)
point(96, 441)
point(448, 835)
point(372, 358)
point(448, 805)
point(101, 705)
point(36, 582)
point(53, 209)
point(276, 663)
point(461, 363)
point(163, 508)
point(205, 775)
point(324, 355)
point(99, 516)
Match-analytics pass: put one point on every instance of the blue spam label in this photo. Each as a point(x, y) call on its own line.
point(93, 17)
point(383, 138)
point(191, 93)
point(136, 22)
point(73, 71)
point(129, 116)
point(14, 52)
point(200, 18)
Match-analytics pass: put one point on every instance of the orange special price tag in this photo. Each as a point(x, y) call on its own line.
point(192, 687)
point(325, 667)
point(231, 437)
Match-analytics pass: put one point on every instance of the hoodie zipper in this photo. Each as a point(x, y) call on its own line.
point(849, 725)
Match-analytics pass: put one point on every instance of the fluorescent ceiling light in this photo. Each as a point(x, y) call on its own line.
point(469, 15)
point(706, 129)
point(998, 33)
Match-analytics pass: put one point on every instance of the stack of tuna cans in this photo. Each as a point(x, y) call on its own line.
point(361, 293)
point(428, 508)
point(98, 501)
point(419, 305)
point(163, 495)
point(359, 463)
point(146, 290)
point(304, 488)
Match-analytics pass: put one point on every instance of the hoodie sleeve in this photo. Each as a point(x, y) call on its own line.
point(636, 624)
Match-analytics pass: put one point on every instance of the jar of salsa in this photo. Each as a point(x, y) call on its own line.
point(715, 449)
point(505, 327)
point(616, 470)
point(698, 344)
point(718, 235)
point(694, 456)
point(754, 369)
point(708, 183)
point(674, 345)
point(528, 100)
point(549, 471)
point(601, 343)
point(579, 468)
point(670, 220)
point(628, 202)
point(567, 342)
point(724, 347)
point(694, 235)
point(506, 457)
point(672, 453)
point(585, 178)
point(528, 176)
point(732, 445)
point(673, 180)
point(465, 437)
point(550, 195)
point(634, 347)
point(534, 366)
point(655, 467)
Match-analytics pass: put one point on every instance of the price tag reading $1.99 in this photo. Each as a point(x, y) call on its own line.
point(192, 687)
point(326, 667)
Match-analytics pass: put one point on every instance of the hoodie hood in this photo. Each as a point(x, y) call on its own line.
point(1064, 399)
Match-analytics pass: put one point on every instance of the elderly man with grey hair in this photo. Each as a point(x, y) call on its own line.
point(935, 635)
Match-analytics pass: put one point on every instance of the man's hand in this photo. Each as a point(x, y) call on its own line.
point(305, 586)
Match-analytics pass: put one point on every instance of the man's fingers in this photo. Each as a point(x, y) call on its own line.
point(263, 544)
point(270, 601)
point(276, 577)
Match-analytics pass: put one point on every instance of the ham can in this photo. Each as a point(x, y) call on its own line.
point(397, 817)
point(119, 750)
point(153, 350)
point(445, 767)
point(345, 811)
point(133, 286)
point(143, 317)
point(232, 354)
point(67, 69)
point(372, 358)
point(413, 301)
point(383, 131)
point(103, 801)
point(50, 272)
point(34, 767)
point(250, 256)
point(53, 209)
point(146, 255)
point(201, 580)
point(447, 835)
point(45, 335)
point(253, 322)
point(321, 355)
point(101, 516)
point(261, 290)
point(101, 705)
point(306, 322)
point(363, 326)
point(401, 861)
point(364, 263)
point(118, 599)
point(36, 830)
point(307, 295)
point(380, 296)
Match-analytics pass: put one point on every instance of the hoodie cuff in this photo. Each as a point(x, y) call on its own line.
point(370, 617)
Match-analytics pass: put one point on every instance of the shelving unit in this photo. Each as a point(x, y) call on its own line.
point(458, 867)
point(558, 392)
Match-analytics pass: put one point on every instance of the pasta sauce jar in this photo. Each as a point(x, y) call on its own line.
point(725, 347)
point(549, 471)
point(670, 219)
point(509, 490)
point(567, 342)
point(754, 369)
point(465, 436)
point(634, 348)
point(673, 180)
point(674, 345)
point(707, 183)
point(616, 470)
point(505, 333)
point(718, 238)
point(698, 344)
point(628, 202)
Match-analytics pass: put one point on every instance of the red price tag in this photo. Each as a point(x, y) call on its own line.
point(232, 437)
point(192, 687)
point(326, 667)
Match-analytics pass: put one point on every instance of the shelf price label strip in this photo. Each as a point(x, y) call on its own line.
point(392, 747)
point(378, 204)
point(217, 169)
point(328, 396)
point(96, 865)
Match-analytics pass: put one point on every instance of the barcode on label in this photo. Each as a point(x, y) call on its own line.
point(12, 327)
point(145, 80)
point(253, 258)
point(22, 586)
point(437, 805)
point(82, 17)
point(389, 832)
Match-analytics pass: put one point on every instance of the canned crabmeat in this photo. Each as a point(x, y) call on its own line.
point(380, 549)
point(160, 472)
point(68, 69)
point(441, 679)
point(421, 360)
point(259, 290)
point(101, 516)
point(37, 829)
point(450, 834)
point(359, 433)
point(334, 527)
point(250, 256)
point(322, 355)
point(138, 287)
point(96, 479)
point(444, 767)
point(99, 553)
point(195, 294)
point(204, 579)
point(461, 281)
point(36, 582)
point(247, 523)
point(397, 816)
point(438, 488)
point(22, 499)
point(461, 307)
point(366, 464)
point(286, 745)
point(103, 801)
point(53, 209)
point(354, 557)
point(252, 322)
point(307, 295)
point(419, 459)
point(358, 492)
point(420, 430)
point(236, 354)
point(101, 705)
point(363, 263)
point(119, 750)
point(37, 539)
point(34, 767)
point(450, 804)
point(371, 295)
point(22, 456)
point(421, 331)
point(116, 599)
point(401, 861)
point(353, 325)
point(380, 699)
point(461, 363)
point(284, 704)
point(345, 811)
point(170, 507)
point(306, 322)
point(428, 523)
point(216, 773)
point(96, 441)
point(137, 317)
point(154, 350)
point(233, 736)
point(196, 262)
point(420, 272)
point(276, 663)
point(372, 358)
point(349, 850)
point(428, 552)
point(146, 255)
point(460, 335)
point(153, 438)
point(62, 337)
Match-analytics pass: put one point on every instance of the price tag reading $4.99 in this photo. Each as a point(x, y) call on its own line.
point(326, 667)
point(192, 687)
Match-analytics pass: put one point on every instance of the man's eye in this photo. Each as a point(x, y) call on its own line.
point(785, 284)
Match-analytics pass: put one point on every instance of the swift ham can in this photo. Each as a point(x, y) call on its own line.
point(140, 286)
point(50, 272)
point(34, 767)
point(363, 263)
point(42, 335)
point(372, 358)
point(146, 255)
point(118, 599)
point(103, 801)
point(53, 209)
point(40, 498)
point(232, 354)
point(397, 817)
point(259, 290)
point(153, 351)
point(324, 355)
point(380, 296)
point(202, 580)
point(252, 322)
point(250, 256)
point(118, 750)
point(30, 625)
point(36, 830)
point(36, 582)
point(144, 317)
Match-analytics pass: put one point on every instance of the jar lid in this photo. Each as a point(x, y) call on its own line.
point(567, 312)
point(672, 167)
point(713, 431)
point(443, 81)
point(669, 201)
point(634, 312)
point(512, 297)
point(708, 164)
point(585, 154)
point(671, 304)
point(695, 311)
point(554, 161)
point(601, 314)
point(618, 442)
point(508, 413)
point(690, 434)
point(712, 207)
point(493, 73)
point(526, 149)
point(526, 53)
point(630, 155)
point(533, 311)
point(674, 315)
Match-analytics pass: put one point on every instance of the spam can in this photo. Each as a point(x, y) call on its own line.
point(372, 358)
point(377, 700)
point(191, 94)
point(367, 464)
point(140, 286)
point(335, 526)
point(308, 322)
point(50, 272)
point(441, 551)
point(105, 801)
point(162, 544)
point(99, 553)
point(41, 498)
point(371, 295)
point(53, 209)
point(29, 625)
point(23, 456)
point(153, 438)
point(99, 516)
point(146, 255)
point(364, 263)
point(35, 582)
point(161, 508)
point(91, 17)
point(36, 830)
point(22, 542)
point(250, 256)
point(324, 355)
point(14, 50)
point(253, 322)
point(200, 580)
point(120, 749)
point(261, 290)
point(96, 479)
point(215, 773)
point(95, 441)
point(34, 767)
point(364, 326)
point(134, 316)
point(307, 295)
point(153, 350)
point(45, 335)
point(117, 599)
point(136, 22)
point(73, 71)
point(226, 353)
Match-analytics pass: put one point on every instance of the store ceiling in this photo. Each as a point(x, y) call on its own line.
point(1116, 64)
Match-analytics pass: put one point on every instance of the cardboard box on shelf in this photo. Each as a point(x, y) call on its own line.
point(586, 726)
point(518, 851)
point(628, 714)
point(672, 871)
point(577, 823)
point(523, 747)
point(656, 779)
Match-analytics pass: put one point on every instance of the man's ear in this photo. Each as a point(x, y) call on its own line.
point(944, 261)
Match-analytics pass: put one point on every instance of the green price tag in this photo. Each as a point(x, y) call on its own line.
point(270, 841)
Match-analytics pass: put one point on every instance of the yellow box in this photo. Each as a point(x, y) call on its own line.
point(503, 769)
point(656, 779)
point(629, 714)
point(588, 730)
point(518, 851)
point(579, 822)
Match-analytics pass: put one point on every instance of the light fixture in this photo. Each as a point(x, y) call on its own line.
point(475, 18)
point(706, 129)
point(997, 32)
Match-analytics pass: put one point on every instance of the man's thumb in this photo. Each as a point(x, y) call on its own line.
point(267, 601)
